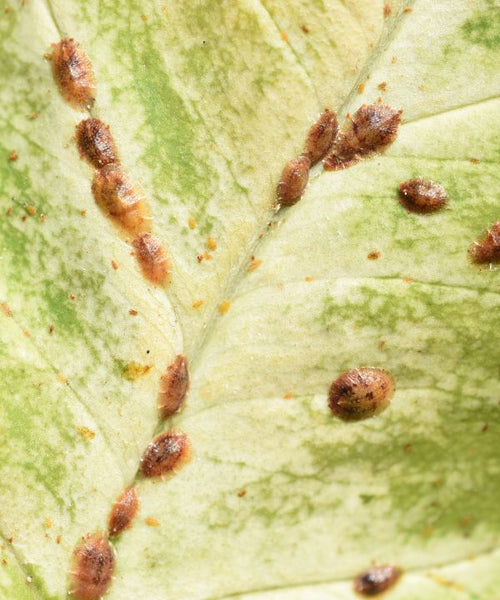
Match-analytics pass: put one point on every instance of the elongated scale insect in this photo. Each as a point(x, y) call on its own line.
point(293, 180)
point(321, 136)
point(377, 580)
point(93, 567)
point(487, 250)
point(123, 512)
point(165, 454)
point(95, 143)
point(73, 73)
point(151, 257)
point(372, 128)
point(422, 196)
point(115, 194)
point(174, 385)
point(361, 393)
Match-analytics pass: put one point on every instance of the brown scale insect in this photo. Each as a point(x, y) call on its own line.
point(376, 580)
point(123, 512)
point(361, 393)
point(95, 143)
point(372, 128)
point(151, 257)
point(93, 566)
point(321, 136)
point(73, 73)
point(174, 385)
point(422, 196)
point(165, 454)
point(487, 250)
point(116, 195)
point(293, 181)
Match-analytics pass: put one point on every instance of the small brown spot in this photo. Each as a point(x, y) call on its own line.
point(408, 448)
point(33, 116)
point(242, 493)
point(95, 143)
point(305, 28)
point(61, 378)
point(93, 566)
point(487, 250)
point(422, 196)
point(144, 17)
point(198, 303)
point(407, 279)
point(382, 344)
point(73, 73)
point(23, 218)
point(86, 433)
point(224, 307)
point(151, 256)
point(83, 212)
point(174, 385)
point(407, 9)
point(30, 209)
point(387, 9)
point(48, 523)
point(7, 10)
point(134, 370)
point(199, 258)
point(485, 428)
point(8, 212)
point(13, 155)
point(293, 181)
point(207, 255)
point(255, 264)
point(361, 393)
point(288, 396)
point(26, 333)
point(72, 297)
point(152, 522)
point(116, 196)
point(284, 36)
point(394, 60)
point(191, 223)
point(361, 87)
point(374, 255)
point(382, 86)
point(165, 454)
point(114, 264)
point(43, 218)
point(211, 244)
point(376, 580)
point(474, 161)
point(4, 308)
point(309, 278)
point(51, 329)
point(123, 512)
point(132, 312)
point(58, 539)
point(321, 136)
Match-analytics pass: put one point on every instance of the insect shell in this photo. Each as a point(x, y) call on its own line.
point(73, 73)
point(165, 454)
point(174, 385)
point(376, 580)
point(93, 567)
point(95, 143)
point(151, 257)
point(487, 250)
point(293, 181)
point(123, 512)
point(422, 196)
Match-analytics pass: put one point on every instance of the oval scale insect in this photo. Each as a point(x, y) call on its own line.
point(165, 454)
point(487, 250)
point(422, 196)
point(377, 580)
point(123, 512)
point(293, 181)
point(174, 385)
point(116, 195)
point(73, 73)
point(151, 257)
point(361, 393)
point(93, 567)
point(95, 143)
point(321, 136)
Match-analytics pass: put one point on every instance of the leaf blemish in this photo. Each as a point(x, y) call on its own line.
point(151, 257)
point(422, 196)
point(73, 73)
point(293, 180)
point(123, 511)
point(174, 385)
point(93, 567)
point(361, 393)
point(165, 454)
point(95, 143)
point(377, 580)
point(487, 250)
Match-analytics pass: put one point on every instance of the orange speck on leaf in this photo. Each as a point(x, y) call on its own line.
point(191, 223)
point(152, 522)
point(48, 523)
point(198, 303)
point(132, 312)
point(26, 333)
point(242, 493)
point(361, 87)
point(374, 255)
point(382, 86)
point(5, 309)
point(114, 264)
point(30, 209)
point(309, 278)
point(387, 9)
point(85, 432)
point(407, 9)
point(288, 396)
point(61, 378)
point(211, 244)
point(224, 307)
point(255, 264)
point(13, 155)
point(408, 448)
point(284, 36)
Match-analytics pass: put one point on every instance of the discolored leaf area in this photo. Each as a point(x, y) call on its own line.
point(206, 104)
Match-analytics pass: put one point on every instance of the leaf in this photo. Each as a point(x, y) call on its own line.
point(207, 101)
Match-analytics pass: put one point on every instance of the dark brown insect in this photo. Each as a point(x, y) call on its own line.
point(151, 256)
point(422, 196)
point(93, 567)
point(376, 580)
point(123, 511)
point(321, 136)
point(95, 143)
point(165, 454)
point(116, 195)
point(293, 181)
point(174, 385)
point(73, 73)
point(361, 393)
point(372, 128)
point(487, 250)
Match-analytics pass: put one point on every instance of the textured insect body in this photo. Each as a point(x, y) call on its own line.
point(321, 136)
point(93, 567)
point(116, 195)
point(422, 196)
point(123, 512)
point(151, 257)
point(73, 73)
point(361, 393)
point(487, 250)
point(174, 385)
point(95, 143)
point(293, 181)
point(165, 454)
point(377, 580)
